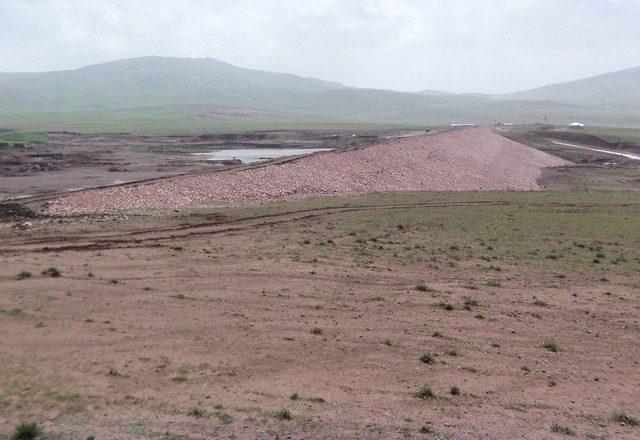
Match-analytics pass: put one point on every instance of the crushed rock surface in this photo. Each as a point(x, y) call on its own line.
point(470, 159)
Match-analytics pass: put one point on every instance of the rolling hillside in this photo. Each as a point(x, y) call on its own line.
point(204, 94)
point(620, 88)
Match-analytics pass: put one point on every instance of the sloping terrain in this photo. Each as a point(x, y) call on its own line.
point(155, 81)
point(473, 159)
point(127, 95)
point(611, 89)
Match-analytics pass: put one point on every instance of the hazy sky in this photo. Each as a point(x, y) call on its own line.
point(453, 45)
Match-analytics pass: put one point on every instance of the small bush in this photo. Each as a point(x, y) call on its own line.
point(452, 352)
point(551, 346)
point(24, 275)
point(225, 418)
point(494, 283)
point(425, 393)
point(445, 306)
point(454, 391)
point(283, 414)
point(422, 287)
point(565, 430)
point(197, 412)
point(317, 331)
point(621, 417)
point(26, 431)
point(468, 303)
point(427, 358)
point(52, 272)
point(437, 334)
point(294, 396)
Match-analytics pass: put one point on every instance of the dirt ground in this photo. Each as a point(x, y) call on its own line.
point(339, 318)
point(72, 161)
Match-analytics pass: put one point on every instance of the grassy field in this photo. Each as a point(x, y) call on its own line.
point(173, 121)
point(21, 137)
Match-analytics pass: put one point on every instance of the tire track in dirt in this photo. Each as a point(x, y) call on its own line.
point(154, 237)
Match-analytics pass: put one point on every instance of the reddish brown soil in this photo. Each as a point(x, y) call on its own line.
point(132, 337)
point(473, 159)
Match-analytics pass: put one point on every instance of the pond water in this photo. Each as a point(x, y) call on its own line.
point(249, 155)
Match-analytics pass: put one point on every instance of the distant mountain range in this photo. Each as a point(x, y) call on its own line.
point(156, 83)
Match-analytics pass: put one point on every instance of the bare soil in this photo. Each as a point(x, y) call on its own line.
point(209, 324)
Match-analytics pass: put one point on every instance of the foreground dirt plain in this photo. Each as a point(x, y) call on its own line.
point(326, 318)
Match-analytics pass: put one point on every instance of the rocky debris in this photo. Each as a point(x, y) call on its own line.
point(471, 159)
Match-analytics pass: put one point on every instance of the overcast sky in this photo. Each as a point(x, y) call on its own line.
point(454, 45)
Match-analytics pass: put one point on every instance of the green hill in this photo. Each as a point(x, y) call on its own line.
point(620, 88)
point(144, 93)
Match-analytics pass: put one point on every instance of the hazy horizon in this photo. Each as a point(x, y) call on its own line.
point(486, 46)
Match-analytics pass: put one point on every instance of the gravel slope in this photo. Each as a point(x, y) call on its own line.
point(471, 159)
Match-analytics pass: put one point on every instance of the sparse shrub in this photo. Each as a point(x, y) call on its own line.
point(540, 303)
point(283, 414)
point(52, 272)
point(388, 343)
point(437, 334)
point(225, 418)
point(24, 275)
point(317, 331)
point(422, 287)
point(551, 346)
point(445, 306)
point(468, 303)
point(452, 352)
point(26, 431)
point(400, 226)
point(425, 430)
point(618, 259)
point(479, 316)
point(559, 429)
point(494, 283)
point(425, 393)
point(454, 391)
point(621, 417)
point(427, 358)
point(197, 412)
point(294, 396)
point(176, 248)
point(113, 372)
point(180, 379)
